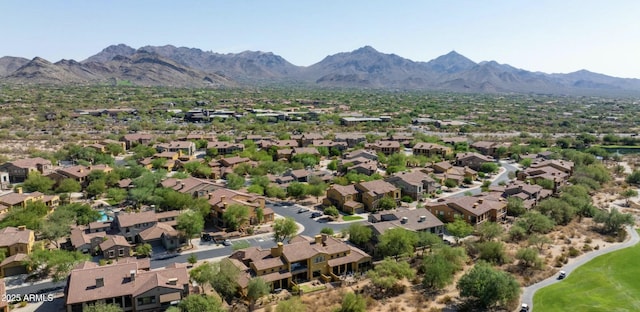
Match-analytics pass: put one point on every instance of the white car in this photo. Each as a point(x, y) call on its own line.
point(562, 275)
point(524, 307)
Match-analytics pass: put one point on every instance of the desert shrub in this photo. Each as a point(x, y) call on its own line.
point(586, 248)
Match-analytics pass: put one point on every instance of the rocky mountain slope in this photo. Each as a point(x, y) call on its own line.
point(362, 68)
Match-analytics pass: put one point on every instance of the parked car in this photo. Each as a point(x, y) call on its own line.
point(562, 275)
point(226, 242)
point(302, 210)
point(524, 307)
point(316, 214)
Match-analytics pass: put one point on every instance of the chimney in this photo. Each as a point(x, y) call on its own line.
point(132, 274)
point(318, 239)
point(19, 190)
point(22, 227)
point(404, 220)
point(422, 218)
point(99, 282)
point(182, 185)
point(277, 251)
point(480, 200)
point(172, 281)
point(210, 195)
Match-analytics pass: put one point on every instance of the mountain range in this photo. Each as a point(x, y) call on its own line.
point(362, 68)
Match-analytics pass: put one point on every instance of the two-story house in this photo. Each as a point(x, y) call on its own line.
point(125, 285)
point(364, 195)
point(473, 209)
point(130, 224)
point(116, 246)
point(19, 170)
point(17, 244)
point(225, 148)
point(384, 147)
point(472, 160)
point(325, 258)
point(221, 199)
point(414, 184)
point(431, 149)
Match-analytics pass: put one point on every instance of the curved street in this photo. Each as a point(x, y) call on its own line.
point(527, 295)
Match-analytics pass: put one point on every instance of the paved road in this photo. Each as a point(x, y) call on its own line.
point(502, 177)
point(527, 296)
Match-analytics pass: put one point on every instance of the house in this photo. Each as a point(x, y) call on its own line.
point(531, 194)
point(302, 259)
point(133, 139)
point(162, 234)
point(17, 244)
point(373, 191)
point(354, 197)
point(232, 162)
point(352, 139)
point(384, 147)
point(221, 199)
point(414, 184)
point(344, 197)
point(331, 145)
point(300, 175)
point(79, 173)
point(225, 148)
point(186, 148)
point(5, 182)
point(19, 170)
point(361, 153)
point(130, 224)
point(307, 138)
point(561, 165)
point(125, 285)
point(85, 240)
point(193, 186)
point(18, 199)
point(431, 150)
point(305, 150)
point(115, 246)
point(473, 209)
point(535, 175)
point(361, 165)
point(279, 144)
point(442, 167)
point(415, 220)
point(472, 160)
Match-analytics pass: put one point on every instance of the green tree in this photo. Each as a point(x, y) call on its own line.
point(331, 211)
point(234, 181)
point(327, 230)
point(101, 307)
point(352, 303)
point(193, 259)
point(297, 190)
point(96, 188)
point(359, 234)
point(293, 304)
point(538, 241)
point(438, 271)
point(117, 194)
point(493, 252)
point(221, 276)
point(628, 193)
point(57, 225)
point(275, 191)
point(114, 149)
point(143, 250)
point(396, 242)
point(256, 288)
point(558, 210)
point(56, 262)
point(528, 258)
point(459, 228)
point(515, 206)
point(489, 167)
point(317, 190)
point(284, 228)
point(386, 275)
point(235, 216)
point(333, 165)
point(535, 222)
point(83, 213)
point(613, 221)
point(189, 224)
point(387, 203)
point(199, 303)
point(30, 216)
point(68, 186)
point(634, 177)
point(36, 182)
point(489, 231)
point(487, 286)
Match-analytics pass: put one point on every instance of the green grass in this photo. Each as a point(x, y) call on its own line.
point(309, 289)
point(607, 283)
point(351, 218)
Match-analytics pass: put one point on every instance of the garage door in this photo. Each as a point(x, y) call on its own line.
point(16, 270)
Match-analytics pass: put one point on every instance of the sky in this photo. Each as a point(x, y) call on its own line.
point(552, 36)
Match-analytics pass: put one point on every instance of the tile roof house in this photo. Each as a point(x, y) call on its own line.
point(78, 173)
point(409, 219)
point(193, 186)
point(474, 209)
point(225, 148)
point(186, 148)
point(19, 170)
point(221, 199)
point(431, 149)
point(472, 160)
point(414, 184)
point(18, 244)
point(115, 246)
point(361, 153)
point(352, 139)
point(354, 197)
point(384, 147)
point(130, 224)
point(125, 285)
point(18, 199)
point(302, 259)
point(133, 139)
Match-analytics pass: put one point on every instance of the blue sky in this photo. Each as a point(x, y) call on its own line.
point(549, 36)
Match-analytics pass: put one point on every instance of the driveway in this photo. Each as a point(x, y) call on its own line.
point(527, 296)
